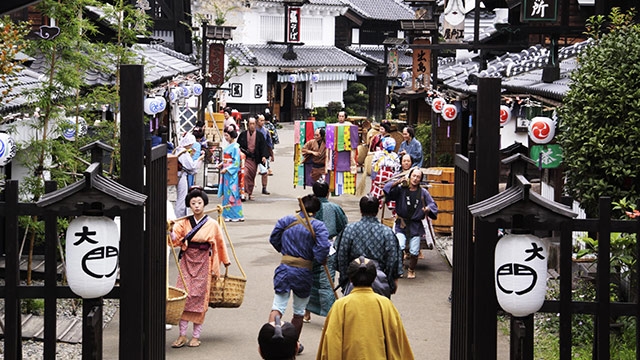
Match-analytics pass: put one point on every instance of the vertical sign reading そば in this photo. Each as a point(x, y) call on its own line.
point(293, 24)
point(216, 64)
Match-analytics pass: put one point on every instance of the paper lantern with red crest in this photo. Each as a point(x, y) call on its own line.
point(438, 104)
point(505, 114)
point(542, 129)
point(449, 112)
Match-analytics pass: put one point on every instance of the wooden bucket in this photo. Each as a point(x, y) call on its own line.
point(441, 174)
point(443, 196)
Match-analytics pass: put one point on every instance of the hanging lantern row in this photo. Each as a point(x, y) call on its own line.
point(184, 91)
point(8, 149)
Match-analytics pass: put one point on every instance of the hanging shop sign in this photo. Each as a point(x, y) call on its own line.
point(453, 25)
point(293, 24)
point(421, 66)
point(539, 10)
point(216, 64)
point(392, 58)
point(547, 156)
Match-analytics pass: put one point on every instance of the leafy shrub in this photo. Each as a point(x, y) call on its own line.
point(600, 116)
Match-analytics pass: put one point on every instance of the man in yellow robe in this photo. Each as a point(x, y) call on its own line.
point(363, 324)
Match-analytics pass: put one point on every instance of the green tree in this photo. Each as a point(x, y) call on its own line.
point(356, 99)
point(600, 116)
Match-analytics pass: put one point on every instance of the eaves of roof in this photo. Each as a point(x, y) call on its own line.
point(391, 10)
point(270, 55)
point(160, 63)
point(520, 72)
point(375, 54)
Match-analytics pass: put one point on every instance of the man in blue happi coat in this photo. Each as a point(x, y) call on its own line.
point(300, 240)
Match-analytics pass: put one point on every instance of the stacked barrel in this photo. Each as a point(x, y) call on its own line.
point(442, 189)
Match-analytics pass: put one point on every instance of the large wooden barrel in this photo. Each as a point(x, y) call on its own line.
point(441, 174)
point(442, 193)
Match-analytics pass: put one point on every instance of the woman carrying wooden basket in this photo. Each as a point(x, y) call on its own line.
point(202, 249)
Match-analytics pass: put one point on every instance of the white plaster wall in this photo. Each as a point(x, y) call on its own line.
point(248, 81)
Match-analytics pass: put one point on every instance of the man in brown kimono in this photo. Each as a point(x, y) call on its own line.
point(254, 146)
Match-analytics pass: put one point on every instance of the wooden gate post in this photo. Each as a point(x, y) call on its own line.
point(132, 330)
point(488, 166)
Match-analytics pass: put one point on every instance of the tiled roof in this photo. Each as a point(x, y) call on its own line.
point(311, 2)
point(375, 54)
point(381, 9)
point(270, 55)
point(520, 72)
point(26, 81)
point(160, 64)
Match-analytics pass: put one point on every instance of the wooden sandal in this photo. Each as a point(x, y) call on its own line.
point(180, 342)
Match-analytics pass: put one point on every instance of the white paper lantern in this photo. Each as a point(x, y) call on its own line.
point(161, 103)
point(150, 106)
point(542, 130)
point(449, 112)
point(293, 78)
point(69, 131)
point(197, 89)
point(315, 78)
point(175, 94)
point(186, 90)
point(521, 273)
point(438, 104)
point(8, 148)
point(92, 248)
point(505, 114)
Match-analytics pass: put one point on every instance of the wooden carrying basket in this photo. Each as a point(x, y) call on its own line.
point(176, 298)
point(390, 221)
point(227, 291)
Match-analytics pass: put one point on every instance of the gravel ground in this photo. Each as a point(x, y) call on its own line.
point(33, 349)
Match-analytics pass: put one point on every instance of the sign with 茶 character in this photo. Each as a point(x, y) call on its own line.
point(547, 156)
point(92, 248)
point(421, 66)
point(539, 10)
point(293, 24)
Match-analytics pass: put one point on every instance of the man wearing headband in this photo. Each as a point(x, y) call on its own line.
point(363, 325)
point(413, 203)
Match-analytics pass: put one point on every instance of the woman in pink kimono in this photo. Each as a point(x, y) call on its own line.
point(202, 250)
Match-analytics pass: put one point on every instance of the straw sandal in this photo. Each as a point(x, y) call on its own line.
point(195, 342)
point(180, 342)
point(411, 274)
